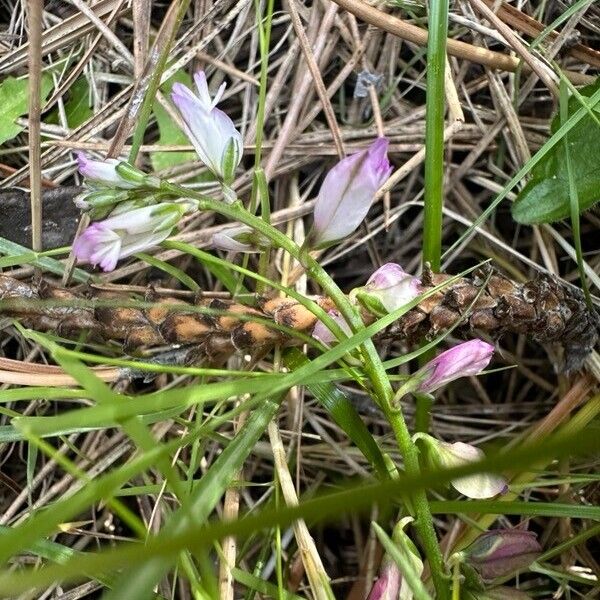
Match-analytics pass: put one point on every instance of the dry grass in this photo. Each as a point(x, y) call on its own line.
point(313, 114)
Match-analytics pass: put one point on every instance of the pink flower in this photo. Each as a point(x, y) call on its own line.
point(212, 133)
point(464, 360)
point(105, 242)
point(390, 288)
point(347, 193)
point(102, 171)
point(323, 334)
point(502, 552)
point(387, 585)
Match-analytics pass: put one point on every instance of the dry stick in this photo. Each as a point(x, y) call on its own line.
point(526, 24)
point(418, 36)
point(317, 576)
point(231, 508)
point(104, 30)
point(141, 34)
point(35, 9)
point(554, 49)
point(539, 68)
point(317, 79)
point(76, 71)
point(294, 109)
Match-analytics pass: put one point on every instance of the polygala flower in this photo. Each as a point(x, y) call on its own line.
point(103, 171)
point(502, 552)
point(347, 193)
point(464, 360)
point(323, 334)
point(388, 289)
point(387, 585)
point(391, 584)
point(459, 454)
point(212, 133)
point(105, 242)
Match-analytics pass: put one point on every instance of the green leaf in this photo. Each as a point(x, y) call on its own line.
point(169, 132)
point(546, 197)
point(14, 103)
point(77, 107)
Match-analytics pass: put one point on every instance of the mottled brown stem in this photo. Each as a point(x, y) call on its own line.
point(542, 309)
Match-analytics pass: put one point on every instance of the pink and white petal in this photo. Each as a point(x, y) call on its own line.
point(95, 236)
point(141, 242)
point(185, 99)
point(138, 220)
point(202, 88)
point(107, 255)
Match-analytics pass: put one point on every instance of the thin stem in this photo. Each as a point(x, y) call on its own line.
point(373, 366)
point(434, 133)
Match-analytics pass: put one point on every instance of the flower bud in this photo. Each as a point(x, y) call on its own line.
point(212, 133)
point(502, 552)
point(100, 199)
point(388, 289)
point(458, 454)
point(347, 193)
point(387, 585)
point(323, 334)
point(125, 233)
point(103, 172)
point(464, 360)
point(239, 238)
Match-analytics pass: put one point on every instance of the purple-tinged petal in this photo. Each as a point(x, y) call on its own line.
point(391, 286)
point(387, 585)
point(502, 552)
point(323, 334)
point(209, 129)
point(102, 171)
point(347, 193)
point(465, 360)
point(125, 233)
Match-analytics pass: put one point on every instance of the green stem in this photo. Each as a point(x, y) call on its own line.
point(372, 364)
point(434, 133)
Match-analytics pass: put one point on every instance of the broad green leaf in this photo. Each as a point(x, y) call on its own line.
point(546, 196)
point(14, 100)
point(169, 132)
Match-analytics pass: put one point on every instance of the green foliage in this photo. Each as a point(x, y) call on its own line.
point(169, 132)
point(546, 197)
point(77, 107)
point(14, 100)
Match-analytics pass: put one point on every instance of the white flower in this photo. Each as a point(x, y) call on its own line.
point(105, 242)
point(212, 133)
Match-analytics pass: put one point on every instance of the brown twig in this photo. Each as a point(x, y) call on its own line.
point(415, 34)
